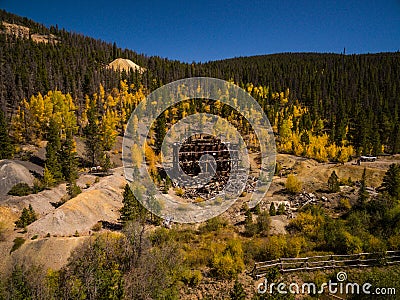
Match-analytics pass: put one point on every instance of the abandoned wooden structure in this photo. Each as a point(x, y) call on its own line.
point(204, 156)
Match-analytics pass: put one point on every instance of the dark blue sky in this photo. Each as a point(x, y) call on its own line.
point(210, 30)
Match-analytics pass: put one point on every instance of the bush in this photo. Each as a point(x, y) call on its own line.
point(213, 225)
point(293, 185)
point(20, 189)
point(97, 227)
point(226, 264)
point(73, 189)
point(179, 191)
point(263, 223)
point(344, 204)
point(394, 242)
point(191, 277)
point(18, 242)
point(255, 250)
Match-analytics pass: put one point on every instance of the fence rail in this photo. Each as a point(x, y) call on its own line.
point(325, 262)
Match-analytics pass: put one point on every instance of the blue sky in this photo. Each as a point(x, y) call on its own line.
point(210, 30)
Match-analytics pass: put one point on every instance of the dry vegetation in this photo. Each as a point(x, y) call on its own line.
point(213, 254)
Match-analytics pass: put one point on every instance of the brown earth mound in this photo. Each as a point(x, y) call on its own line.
point(126, 65)
point(101, 202)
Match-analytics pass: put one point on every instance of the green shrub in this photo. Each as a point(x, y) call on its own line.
point(20, 189)
point(73, 189)
point(344, 204)
point(263, 223)
point(18, 242)
point(191, 277)
point(254, 250)
point(34, 237)
point(213, 224)
point(160, 236)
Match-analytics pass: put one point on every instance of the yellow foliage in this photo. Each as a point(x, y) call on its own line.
point(293, 185)
point(137, 156)
point(151, 159)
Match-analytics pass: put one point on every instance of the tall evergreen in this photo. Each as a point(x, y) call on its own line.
point(68, 156)
point(69, 164)
point(363, 195)
point(6, 147)
point(333, 183)
point(160, 131)
point(93, 145)
point(391, 181)
point(53, 147)
point(132, 209)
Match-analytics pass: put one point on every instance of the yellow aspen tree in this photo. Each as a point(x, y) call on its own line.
point(137, 156)
point(108, 130)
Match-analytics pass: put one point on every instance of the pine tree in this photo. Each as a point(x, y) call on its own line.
point(132, 209)
point(6, 147)
point(281, 209)
point(391, 181)
point(48, 179)
point(93, 143)
point(69, 161)
point(333, 183)
point(362, 193)
point(53, 147)
point(160, 131)
point(27, 217)
point(272, 209)
point(304, 138)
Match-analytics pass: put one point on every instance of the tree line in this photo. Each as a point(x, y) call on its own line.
point(351, 98)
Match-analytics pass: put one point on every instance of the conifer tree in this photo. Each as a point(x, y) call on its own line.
point(48, 179)
point(93, 145)
point(362, 193)
point(6, 147)
point(27, 217)
point(272, 209)
point(132, 209)
point(53, 147)
point(69, 164)
point(69, 161)
point(160, 131)
point(391, 181)
point(333, 183)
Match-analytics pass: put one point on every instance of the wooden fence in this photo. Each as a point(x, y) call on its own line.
point(325, 262)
